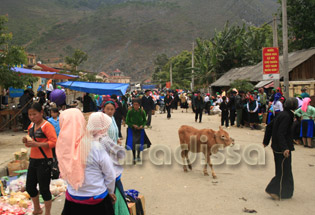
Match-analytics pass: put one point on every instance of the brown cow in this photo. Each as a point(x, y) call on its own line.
point(195, 140)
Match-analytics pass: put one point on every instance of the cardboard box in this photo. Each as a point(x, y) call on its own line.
point(143, 203)
point(17, 165)
point(132, 206)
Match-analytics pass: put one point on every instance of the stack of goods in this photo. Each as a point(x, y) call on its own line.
point(16, 200)
point(20, 162)
point(136, 202)
point(57, 187)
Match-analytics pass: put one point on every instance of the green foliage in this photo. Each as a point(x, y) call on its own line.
point(159, 63)
point(9, 57)
point(234, 46)
point(77, 58)
point(87, 78)
point(243, 85)
point(124, 34)
point(181, 70)
point(301, 23)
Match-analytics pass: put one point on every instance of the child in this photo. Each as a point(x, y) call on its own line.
point(54, 119)
point(225, 112)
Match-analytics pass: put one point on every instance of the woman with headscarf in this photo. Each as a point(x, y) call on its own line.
point(307, 114)
point(281, 186)
point(85, 165)
point(109, 109)
point(270, 115)
point(136, 136)
point(279, 91)
point(116, 153)
point(277, 104)
point(252, 108)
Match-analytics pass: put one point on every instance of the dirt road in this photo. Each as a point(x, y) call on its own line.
point(169, 190)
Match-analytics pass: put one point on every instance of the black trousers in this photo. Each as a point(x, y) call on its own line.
point(168, 109)
point(38, 173)
point(26, 121)
point(149, 116)
point(118, 123)
point(232, 116)
point(225, 118)
point(282, 184)
point(198, 112)
point(207, 108)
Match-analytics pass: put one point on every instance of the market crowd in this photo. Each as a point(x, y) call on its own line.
point(86, 139)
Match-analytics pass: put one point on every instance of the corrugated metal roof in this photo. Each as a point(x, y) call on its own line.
point(263, 83)
point(254, 73)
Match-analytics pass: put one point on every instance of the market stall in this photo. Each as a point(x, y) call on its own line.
point(42, 74)
point(14, 200)
point(96, 88)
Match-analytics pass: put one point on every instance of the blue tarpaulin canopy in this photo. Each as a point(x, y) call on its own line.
point(148, 87)
point(96, 88)
point(42, 74)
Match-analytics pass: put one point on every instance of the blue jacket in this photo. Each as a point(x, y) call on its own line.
point(55, 123)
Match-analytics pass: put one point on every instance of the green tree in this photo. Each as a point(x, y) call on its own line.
point(9, 57)
point(159, 63)
point(301, 23)
point(243, 85)
point(77, 58)
point(181, 70)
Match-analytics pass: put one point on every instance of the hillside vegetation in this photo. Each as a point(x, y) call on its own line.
point(124, 34)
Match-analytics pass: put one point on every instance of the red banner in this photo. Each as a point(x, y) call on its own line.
point(271, 68)
point(168, 85)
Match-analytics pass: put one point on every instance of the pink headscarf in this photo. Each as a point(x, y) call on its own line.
point(71, 149)
point(306, 103)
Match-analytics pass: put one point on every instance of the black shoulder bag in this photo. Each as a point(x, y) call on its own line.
point(52, 164)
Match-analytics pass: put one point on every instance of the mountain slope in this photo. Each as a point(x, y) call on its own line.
point(123, 34)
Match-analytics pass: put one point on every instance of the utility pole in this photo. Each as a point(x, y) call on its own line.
point(275, 44)
point(285, 49)
point(192, 66)
point(160, 80)
point(171, 75)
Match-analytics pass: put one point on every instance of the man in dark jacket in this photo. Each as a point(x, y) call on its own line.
point(224, 107)
point(148, 106)
point(232, 107)
point(25, 103)
point(119, 114)
point(239, 107)
point(168, 103)
point(282, 185)
point(87, 103)
point(198, 106)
